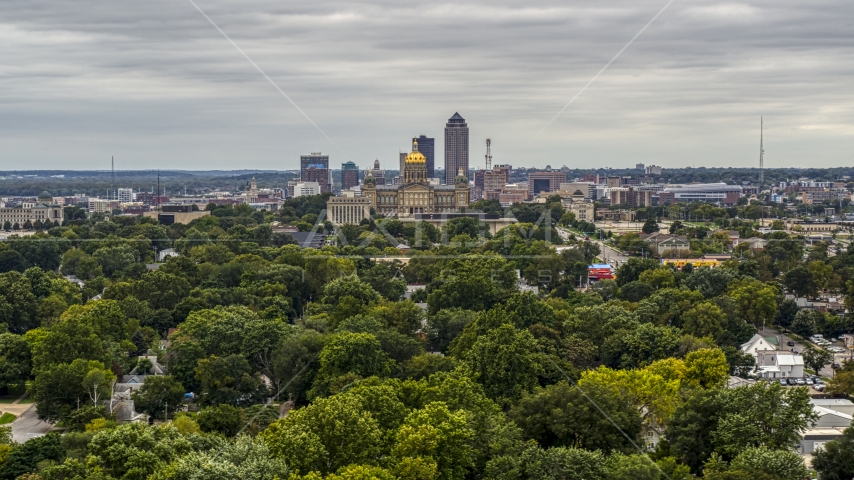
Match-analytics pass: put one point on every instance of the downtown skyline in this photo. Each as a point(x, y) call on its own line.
point(158, 86)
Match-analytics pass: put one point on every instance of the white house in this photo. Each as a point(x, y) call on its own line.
point(779, 364)
point(758, 343)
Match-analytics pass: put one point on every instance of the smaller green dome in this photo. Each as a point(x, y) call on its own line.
point(45, 197)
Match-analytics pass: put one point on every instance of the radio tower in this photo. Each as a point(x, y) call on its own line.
point(488, 154)
point(112, 177)
point(761, 155)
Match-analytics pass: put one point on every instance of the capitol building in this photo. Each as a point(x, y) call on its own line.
point(415, 194)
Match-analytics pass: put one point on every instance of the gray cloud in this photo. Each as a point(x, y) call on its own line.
point(154, 84)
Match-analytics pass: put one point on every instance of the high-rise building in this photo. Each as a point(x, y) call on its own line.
point(349, 175)
point(320, 174)
point(318, 161)
point(125, 195)
point(427, 146)
point(456, 148)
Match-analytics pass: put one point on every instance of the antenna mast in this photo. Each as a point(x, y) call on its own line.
point(157, 197)
point(488, 154)
point(112, 177)
point(761, 154)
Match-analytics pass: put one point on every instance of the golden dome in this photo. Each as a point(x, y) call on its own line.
point(416, 156)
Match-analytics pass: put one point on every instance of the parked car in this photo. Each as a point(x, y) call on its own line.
point(790, 343)
point(819, 387)
point(783, 382)
point(791, 381)
point(801, 381)
point(809, 381)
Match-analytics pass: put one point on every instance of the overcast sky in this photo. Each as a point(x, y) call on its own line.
point(155, 84)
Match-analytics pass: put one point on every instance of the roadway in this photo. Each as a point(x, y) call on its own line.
point(609, 255)
point(28, 425)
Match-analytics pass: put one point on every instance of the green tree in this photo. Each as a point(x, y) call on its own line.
point(704, 320)
point(505, 362)
point(294, 362)
point(57, 389)
point(11, 260)
point(328, 434)
point(756, 301)
point(843, 379)
point(563, 415)
point(804, 323)
point(357, 354)
point(711, 282)
point(161, 289)
point(437, 433)
point(445, 325)
point(632, 269)
point(156, 393)
point(15, 360)
point(632, 467)
point(707, 367)
point(225, 419)
point(648, 343)
point(242, 458)
point(228, 380)
point(833, 462)
point(18, 303)
point(781, 464)
point(786, 312)
point(816, 359)
point(135, 450)
point(728, 421)
point(800, 280)
point(556, 463)
point(24, 458)
point(650, 226)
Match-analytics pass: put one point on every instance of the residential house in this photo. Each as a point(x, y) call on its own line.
point(754, 244)
point(666, 244)
point(758, 343)
point(121, 402)
point(779, 364)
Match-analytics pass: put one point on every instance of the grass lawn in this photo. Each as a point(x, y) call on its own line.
point(7, 418)
point(26, 401)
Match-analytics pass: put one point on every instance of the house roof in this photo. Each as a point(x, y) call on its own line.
point(772, 340)
point(789, 359)
point(821, 412)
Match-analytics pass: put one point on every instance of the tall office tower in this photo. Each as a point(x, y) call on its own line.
point(318, 173)
point(319, 162)
point(456, 148)
point(427, 147)
point(349, 175)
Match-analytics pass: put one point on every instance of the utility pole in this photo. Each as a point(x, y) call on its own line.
point(166, 415)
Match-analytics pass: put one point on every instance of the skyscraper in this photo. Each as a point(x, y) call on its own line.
point(319, 162)
point(427, 146)
point(349, 175)
point(456, 148)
